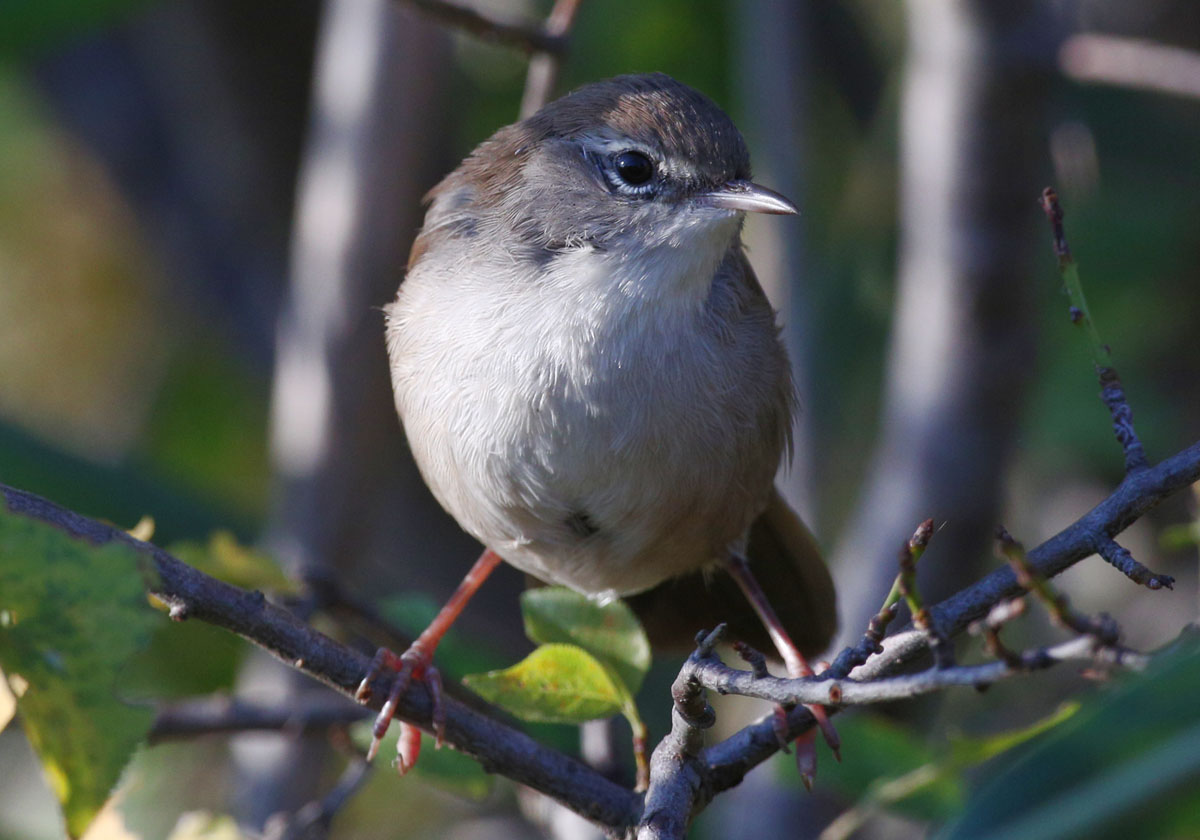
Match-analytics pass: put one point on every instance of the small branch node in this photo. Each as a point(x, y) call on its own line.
point(1054, 215)
point(1112, 393)
point(1120, 558)
point(756, 661)
point(835, 694)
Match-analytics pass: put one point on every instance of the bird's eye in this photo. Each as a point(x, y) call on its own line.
point(634, 168)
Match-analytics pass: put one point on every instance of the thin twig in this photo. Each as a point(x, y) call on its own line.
point(314, 818)
point(676, 773)
point(525, 36)
point(906, 585)
point(1120, 558)
point(500, 749)
point(190, 593)
point(1111, 390)
point(543, 65)
point(717, 676)
point(219, 714)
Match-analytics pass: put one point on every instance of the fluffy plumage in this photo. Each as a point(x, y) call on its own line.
point(591, 378)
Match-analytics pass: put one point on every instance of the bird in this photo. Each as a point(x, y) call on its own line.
point(592, 381)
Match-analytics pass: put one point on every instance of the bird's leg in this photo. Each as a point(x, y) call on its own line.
point(417, 663)
point(797, 665)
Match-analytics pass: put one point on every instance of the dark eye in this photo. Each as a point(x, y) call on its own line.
point(634, 168)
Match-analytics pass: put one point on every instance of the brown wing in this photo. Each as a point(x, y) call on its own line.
point(787, 562)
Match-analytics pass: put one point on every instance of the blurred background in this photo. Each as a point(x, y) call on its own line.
point(203, 205)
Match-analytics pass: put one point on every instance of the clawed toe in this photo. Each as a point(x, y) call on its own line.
point(414, 663)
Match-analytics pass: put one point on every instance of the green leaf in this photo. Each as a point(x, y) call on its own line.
point(71, 615)
point(1127, 764)
point(555, 684)
point(608, 631)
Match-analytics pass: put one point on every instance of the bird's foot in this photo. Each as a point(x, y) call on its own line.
point(416, 663)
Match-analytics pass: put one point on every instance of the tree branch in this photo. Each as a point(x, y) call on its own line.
point(524, 36)
point(543, 65)
point(676, 771)
point(501, 749)
point(498, 748)
point(220, 714)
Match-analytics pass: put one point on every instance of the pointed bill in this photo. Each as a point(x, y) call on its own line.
point(748, 197)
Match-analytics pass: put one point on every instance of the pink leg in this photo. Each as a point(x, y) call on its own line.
point(417, 663)
point(796, 664)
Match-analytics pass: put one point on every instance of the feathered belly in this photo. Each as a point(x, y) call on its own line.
point(599, 485)
point(599, 455)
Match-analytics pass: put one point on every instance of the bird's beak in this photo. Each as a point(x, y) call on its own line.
point(748, 197)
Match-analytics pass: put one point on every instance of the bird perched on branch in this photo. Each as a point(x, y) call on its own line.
point(590, 377)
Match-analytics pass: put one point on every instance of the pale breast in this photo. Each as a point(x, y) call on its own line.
point(593, 436)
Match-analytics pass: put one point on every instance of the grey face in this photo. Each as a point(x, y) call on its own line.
point(634, 159)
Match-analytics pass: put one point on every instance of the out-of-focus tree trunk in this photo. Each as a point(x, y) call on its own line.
point(348, 496)
point(977, 79)
point(771, 68)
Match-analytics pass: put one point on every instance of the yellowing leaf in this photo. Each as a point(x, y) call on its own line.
point(75, 614)
point(608, 631)
point(227, 559)
point(555, 684)
point(201, 825)
point(8, 703)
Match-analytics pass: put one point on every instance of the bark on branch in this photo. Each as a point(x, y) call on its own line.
point(502, 749)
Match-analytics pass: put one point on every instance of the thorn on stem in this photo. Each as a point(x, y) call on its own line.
point(756, 661)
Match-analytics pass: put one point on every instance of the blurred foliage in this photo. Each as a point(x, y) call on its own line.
point(192, 657)
point(1127, 765)
point(893, 768)
point(30, 25)
point(225, 558)
point(82, 344)
point(201, 825)
point(456, 655)
point(445, 769)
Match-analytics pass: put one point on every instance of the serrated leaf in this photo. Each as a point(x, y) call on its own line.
point(556, 683)
point(608, 631)
point(74, 615)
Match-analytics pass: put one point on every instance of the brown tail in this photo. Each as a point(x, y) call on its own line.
point(785, 559)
